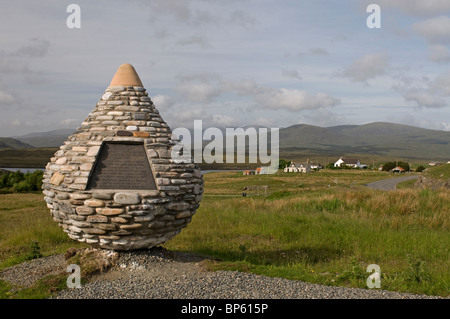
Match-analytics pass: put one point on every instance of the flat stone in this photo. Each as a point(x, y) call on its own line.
point(110, 211)
point(178, 181)
point(141, 134)
point(94, 203)
point(127, 198)
point(97, 219)
point(83, 210)
point(115, 102)
point(124, 133)
point(183, 214)
point(61, 161)
point(93, 151)
point(130, 226)
point(102, 195)
point(86, 166)
point(57, 179)
point(178, 206)
point(143, 219)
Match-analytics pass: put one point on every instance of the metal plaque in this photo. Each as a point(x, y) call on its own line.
point(122, 166)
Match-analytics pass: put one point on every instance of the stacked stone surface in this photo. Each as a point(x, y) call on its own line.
point(117, 218)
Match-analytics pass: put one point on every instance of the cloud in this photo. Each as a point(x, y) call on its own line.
point(207, 87)
point(163, 101)
point(441, 84)
point(294, 100)
point(6, 98)
point(195, 40)
point(434, 30)
point(318, 51)
point(293, 74)
point(445, 126)
point(242, 19)
point(439, 53)
point(36, 49)
point(366, 68)
point(424, 98)
point(418, 7)
point(425, 92)
point(69, 122)
point(198, 92)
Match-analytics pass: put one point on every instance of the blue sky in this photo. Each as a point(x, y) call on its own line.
point(229, 63)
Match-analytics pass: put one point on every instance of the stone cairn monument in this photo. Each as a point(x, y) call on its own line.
point(113, 183)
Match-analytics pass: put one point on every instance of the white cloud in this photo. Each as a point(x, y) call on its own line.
point(366, 67)
point(223, 120)
point(69, 122)
point(435, 30)
point(6, 98)
point(294, 100)
point(163, 101)
point(424, 98)
point(441, 84)
point(445, 126)
point(198, 92)
point(425, 92)
point(439, 53)
point(417, 7)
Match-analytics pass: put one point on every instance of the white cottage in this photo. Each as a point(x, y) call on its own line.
point(298, 168)
point(353, 162)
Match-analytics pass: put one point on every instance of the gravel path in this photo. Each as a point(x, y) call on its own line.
point(391, 183)
point(162, 274)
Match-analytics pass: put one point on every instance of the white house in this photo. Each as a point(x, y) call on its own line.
point(298, 168)
point(352, 162)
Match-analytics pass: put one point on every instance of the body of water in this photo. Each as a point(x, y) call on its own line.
point(23, 170)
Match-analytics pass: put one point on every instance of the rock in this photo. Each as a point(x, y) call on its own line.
point(127, 198)
point(56, 179)
point(94, 203)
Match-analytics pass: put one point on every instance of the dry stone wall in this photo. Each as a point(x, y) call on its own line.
point(121, 219)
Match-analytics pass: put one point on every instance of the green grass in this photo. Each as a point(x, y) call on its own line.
point(25, 222)
point(439, 172)
point(325, 231)
point(325, 227)
point(406, 184)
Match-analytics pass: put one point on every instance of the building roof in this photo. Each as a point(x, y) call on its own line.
point(350, 160)
point(398, 168)
point(126, 76)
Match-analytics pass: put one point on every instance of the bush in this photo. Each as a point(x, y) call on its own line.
point(20, 182)
point(420, 169)
point(390, 165)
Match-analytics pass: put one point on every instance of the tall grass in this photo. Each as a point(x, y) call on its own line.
point(25, 223)
point(319, 235)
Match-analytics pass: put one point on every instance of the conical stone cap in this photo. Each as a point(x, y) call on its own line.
point(92, 184)
point(126, 76)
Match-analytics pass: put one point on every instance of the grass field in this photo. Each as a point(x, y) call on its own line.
point(325, 227)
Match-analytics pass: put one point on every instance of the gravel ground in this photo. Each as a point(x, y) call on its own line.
point(162, 274)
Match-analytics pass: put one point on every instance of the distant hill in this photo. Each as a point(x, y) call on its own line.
point(372, 143)
point(377, 139)
point(53, 138)
point(8, 142)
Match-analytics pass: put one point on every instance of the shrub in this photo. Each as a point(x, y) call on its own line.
point(420, 169)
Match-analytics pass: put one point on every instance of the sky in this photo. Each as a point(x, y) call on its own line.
point(234, 63)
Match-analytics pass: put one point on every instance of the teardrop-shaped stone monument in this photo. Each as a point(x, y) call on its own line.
point(113, 183)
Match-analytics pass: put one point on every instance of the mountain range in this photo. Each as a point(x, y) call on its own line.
point(370, 141)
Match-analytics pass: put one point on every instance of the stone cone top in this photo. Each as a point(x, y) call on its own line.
point(126, 76)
